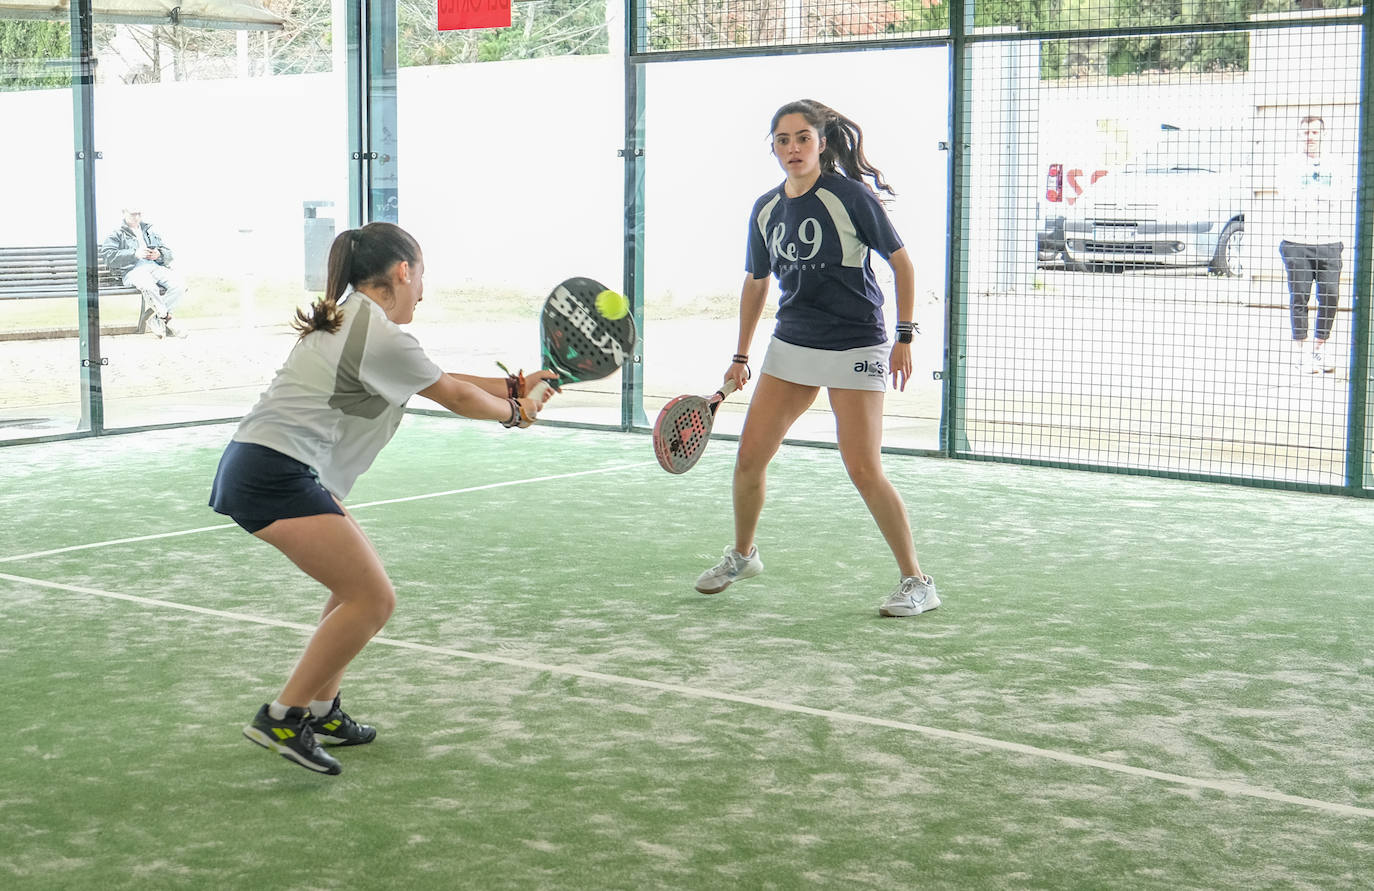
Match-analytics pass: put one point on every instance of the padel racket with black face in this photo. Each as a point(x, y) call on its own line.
point(684, 427)
point(576, 340)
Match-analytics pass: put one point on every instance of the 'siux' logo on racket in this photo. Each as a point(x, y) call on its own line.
point(571, 309)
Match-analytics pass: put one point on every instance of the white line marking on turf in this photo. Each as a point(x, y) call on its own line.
point(482, 488)
point(116, 541)
point(1229, 787)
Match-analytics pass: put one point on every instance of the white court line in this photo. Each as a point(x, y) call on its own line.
point(117, 541)
point(351, 507)
point(1228, 787)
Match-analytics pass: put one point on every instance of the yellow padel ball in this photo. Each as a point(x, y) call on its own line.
point(612, 305)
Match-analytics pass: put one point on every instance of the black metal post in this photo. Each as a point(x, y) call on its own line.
point(87, 261)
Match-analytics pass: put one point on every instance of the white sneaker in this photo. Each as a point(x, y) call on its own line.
point(1302, 356)
point(732, 567)
point(155, 304)
point(912, 597)
point(1321, 361)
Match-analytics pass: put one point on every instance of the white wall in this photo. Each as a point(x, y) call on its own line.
point(204, 159)
point(508, 170)
point(708, 155)
point(509, 174)
point(488, 155)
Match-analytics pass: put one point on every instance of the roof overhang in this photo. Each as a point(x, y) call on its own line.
point(233, 14)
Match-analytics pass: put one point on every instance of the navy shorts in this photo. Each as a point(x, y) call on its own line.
point(256, 486)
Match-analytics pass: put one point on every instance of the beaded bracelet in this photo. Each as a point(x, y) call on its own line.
point(740, 358)
point(515, 414)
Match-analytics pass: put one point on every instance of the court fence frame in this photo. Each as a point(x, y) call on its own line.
point(967, 30)
point(801, 27)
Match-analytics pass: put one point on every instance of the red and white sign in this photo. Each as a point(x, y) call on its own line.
point(459, 15)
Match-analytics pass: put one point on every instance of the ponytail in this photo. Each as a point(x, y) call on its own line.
point(357, 257)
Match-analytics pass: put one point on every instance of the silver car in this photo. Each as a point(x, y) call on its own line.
point(1182, 203)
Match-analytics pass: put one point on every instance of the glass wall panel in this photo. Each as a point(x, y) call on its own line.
point(232, 146)
point(1144, 321)
point(39, 355)
point(509, 177)
point(706, 163)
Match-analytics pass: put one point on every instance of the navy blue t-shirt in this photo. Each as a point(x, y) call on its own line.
point(817, 245)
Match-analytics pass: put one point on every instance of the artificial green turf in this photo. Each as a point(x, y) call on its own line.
point(1201, 631)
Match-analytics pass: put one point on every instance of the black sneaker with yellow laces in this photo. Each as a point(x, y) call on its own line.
point(292, 738)
point(338, 729)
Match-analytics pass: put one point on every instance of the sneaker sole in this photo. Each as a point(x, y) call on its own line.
point(325, 739)
point(902, 612)
point(739, 578)
point(255, 735)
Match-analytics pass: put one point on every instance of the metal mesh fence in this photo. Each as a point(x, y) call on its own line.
point(1154, 223)
point(1186, 306)
point(675, 26)
point(1109, 15)
point(684, 26)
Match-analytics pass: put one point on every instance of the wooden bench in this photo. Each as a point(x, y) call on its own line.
point(47, 271)
point(50, 271)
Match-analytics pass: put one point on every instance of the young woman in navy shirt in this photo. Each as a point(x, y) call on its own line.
point(815, 232)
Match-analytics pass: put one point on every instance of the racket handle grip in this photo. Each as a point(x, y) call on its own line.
point(728, 387)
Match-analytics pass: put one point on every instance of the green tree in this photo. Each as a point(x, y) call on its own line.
point(304, 45)
point(549, 28)
point(34, 55)
point(538, 28)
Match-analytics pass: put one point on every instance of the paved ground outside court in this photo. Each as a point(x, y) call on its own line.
point(1148, 370)
point(218, 372)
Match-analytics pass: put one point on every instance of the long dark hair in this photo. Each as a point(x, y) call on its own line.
point(357, 257)
point(844, 141)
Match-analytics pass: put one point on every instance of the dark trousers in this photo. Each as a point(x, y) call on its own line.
point(1307, 263)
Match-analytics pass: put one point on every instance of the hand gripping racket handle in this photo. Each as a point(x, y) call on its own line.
point(725, 390)
point(540, 393)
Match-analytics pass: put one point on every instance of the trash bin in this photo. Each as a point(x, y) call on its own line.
point(319, 235)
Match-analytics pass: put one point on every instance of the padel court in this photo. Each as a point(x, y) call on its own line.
point(1132, 683)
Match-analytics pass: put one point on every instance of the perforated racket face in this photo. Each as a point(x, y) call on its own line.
point(681, 432)
point(578, 341)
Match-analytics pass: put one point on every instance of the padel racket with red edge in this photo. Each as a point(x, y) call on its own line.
point(684, 427)
point(576, 340)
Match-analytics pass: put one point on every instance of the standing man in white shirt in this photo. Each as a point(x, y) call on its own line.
point(1315, 188)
